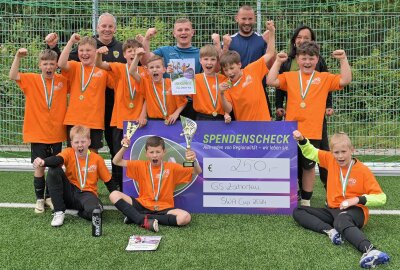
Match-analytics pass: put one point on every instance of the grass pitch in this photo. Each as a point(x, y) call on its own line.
point(27, 241)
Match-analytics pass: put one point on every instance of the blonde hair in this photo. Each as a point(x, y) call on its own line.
point(155, 58)
point(340, 138)
point(88, 40)
point(48, 54)
point(79, 131)
point(208, 50)
point(183, 20)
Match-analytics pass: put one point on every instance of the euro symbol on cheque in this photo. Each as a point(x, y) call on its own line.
point(210, 168)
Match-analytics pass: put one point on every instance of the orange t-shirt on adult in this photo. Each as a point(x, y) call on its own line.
point(361, 181)
point(311, 117)
point(96, 168)
point(124, 107)
point(88, 111)
point(174, 174)
point(203, 99)
point(41, 123)
point(248, 96)
point(153, 107)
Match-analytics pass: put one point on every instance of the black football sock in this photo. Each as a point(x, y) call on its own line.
point(39, 184)
point(129, 211)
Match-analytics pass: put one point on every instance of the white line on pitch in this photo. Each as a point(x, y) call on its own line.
point(110, 207)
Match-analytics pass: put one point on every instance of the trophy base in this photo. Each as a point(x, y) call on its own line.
point(188, 164)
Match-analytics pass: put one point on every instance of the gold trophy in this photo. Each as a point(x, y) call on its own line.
point(130, 130)
point(189, 128)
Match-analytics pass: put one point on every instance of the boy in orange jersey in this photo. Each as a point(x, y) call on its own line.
point(128, 103)
point(157, 180)
point(207, 101)
point(351, 188)
point(88, 84)
point(76, 188)
point(307, 92)
point(244, 92)
point(160, 103)
point(45, 107)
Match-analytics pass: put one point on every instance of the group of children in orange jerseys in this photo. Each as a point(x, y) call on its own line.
point(142, 92)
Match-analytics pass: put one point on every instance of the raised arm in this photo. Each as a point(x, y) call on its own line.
point(270, 53)
point(63, 60)
point(150, 33)
point(118, 158)
point(227, 40)
point(99, 58)
point(269, 37)
point(272, 78)
point(14, 75)
point(345, 70)
point(133, 69)
point(308, 150)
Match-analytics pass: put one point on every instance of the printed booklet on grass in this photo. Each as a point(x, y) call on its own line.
point(141, 242)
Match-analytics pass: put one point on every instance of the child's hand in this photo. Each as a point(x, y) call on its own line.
point(150, 33)
point(170, 68)
point(140, 51)
point(125, 142)
point(227, 118)
point(348, 202)
point(172, 118)
point(297, 135)
point(280, 112)
point(215, 38)
point(270, 26)
point(281, 57)
point(224, 86)
point(51, 40)
point(38, 162)
point(102, 50)
point(227, 40)
point(75, 38)
point(190, 155)
point(142, 121)
point(139, 38)
point(22, 52)
point(339, 54)
point(329, 111)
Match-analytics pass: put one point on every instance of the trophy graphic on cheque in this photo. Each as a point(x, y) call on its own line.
point(189, 128)
point(131, 128)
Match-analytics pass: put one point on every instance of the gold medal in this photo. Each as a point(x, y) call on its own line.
point(131, 105)
point(155, 207)
point(81, 97)
point(214, 114)
point(302, 105)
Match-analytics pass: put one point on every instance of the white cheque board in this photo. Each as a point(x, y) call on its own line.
point(246, 168)
point(246, 186)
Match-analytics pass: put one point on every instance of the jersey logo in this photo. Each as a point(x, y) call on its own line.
point(116, 54)
point(59, 86)
point(352, 182)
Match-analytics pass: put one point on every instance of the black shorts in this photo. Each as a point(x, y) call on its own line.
point(96, 138)
point(117, 135)
point(145, 211)
point(306, 163)
point(44, 150)
point(209, 117)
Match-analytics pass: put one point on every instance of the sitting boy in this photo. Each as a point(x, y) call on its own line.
point(76, 188)
point(351, 188)
point(157, 180)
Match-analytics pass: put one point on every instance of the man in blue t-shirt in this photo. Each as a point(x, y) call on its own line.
point(183, 33)
point(249, 44)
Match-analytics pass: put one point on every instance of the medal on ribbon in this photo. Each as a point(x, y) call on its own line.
point(83, 85)
point(304, 93)
point(49, 97)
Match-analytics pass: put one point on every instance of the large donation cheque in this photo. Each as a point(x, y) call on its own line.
point(248, 167)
